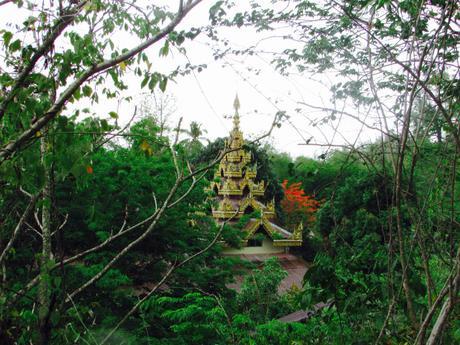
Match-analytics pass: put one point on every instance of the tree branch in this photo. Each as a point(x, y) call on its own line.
point(19, 225)
point(8, 150)
point(165, 277)
point(65, 20)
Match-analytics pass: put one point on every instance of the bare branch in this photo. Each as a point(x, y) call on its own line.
point(25, 192)
point(447, 306)
point(19, 225)
point(37, 220)
point(4, 2)
point(125, 219)
point(387, 318)
point(192, 186)
point(60, 227)
point(178, 130)
point(351, 116)
point(155, 201)
point(34, 229)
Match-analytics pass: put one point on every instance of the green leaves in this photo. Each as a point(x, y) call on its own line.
point(177, 38)
point(15, 46)
point(216, 11)
point(152, 79)
point(7, 36)
point(265, 282)
point(163, 83)
point(145, 81)
point(87, 90)
point(113, 115)
point(381, 3)
point(165, 49)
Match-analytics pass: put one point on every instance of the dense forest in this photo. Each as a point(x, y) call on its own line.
point(106, 234)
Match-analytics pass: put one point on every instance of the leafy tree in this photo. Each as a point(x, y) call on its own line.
point(204, 318)
point(298, 207)
point(66, 53)
point(193, 143)
point(282, 165)
point(66, 46)
point(382, 56)
point(81, 227)
point(145, 135)
point(105, 212)
point(259, 293)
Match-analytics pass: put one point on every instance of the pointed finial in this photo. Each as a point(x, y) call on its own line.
point(236, 104)
point(236, 117)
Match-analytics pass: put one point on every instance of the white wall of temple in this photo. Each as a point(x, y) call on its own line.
point(266, 248)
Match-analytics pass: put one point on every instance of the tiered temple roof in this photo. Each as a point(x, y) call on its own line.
point(237, 193)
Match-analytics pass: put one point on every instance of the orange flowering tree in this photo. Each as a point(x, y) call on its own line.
point(297, 206)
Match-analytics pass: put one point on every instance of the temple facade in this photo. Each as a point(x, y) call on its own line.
point(238, 193)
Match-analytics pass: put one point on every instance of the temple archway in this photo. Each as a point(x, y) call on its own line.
point(257, 239)
point(248, 210)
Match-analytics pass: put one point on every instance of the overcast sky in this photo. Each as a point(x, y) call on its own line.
point(207, 97)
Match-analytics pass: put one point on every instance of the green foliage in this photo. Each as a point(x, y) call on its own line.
point(123, 186)
point(196, 318)
point(371, 216)
point(201, 318)
point(259, 293)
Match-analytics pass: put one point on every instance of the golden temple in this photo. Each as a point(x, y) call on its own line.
point(237, 194)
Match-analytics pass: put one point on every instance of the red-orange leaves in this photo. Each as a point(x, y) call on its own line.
point(296, 205)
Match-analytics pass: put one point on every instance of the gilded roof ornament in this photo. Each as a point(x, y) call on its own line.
point(236, 104)
point(236, 117)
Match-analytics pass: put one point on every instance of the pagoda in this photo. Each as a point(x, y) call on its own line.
point(238, 193)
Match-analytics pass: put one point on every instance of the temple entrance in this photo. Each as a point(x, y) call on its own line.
point(248, 210)
point(258, 238)
point(259, 243)
point(254, 242)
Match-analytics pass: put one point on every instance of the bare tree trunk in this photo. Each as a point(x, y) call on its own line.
point(426, 267)
point(454, 283)
point(44, 287)
point(403, 259)
point(399, 215)
point(446, 308)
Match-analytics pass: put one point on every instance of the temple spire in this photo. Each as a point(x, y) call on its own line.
point(236, 117)
point(238, 194)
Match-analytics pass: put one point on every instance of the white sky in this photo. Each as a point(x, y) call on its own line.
point(207, 97)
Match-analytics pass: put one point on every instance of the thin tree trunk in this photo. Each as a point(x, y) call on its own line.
point(426, 268)
point(44, 287)
point(399, 215)
point(446, 308)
